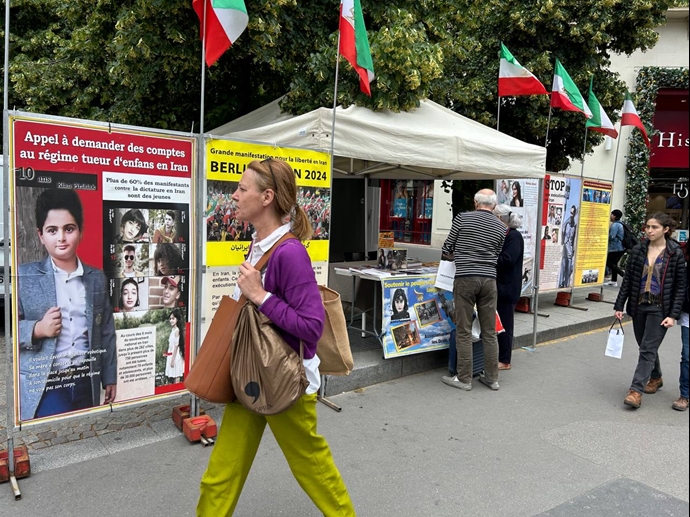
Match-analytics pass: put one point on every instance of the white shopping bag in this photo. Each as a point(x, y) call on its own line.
point(614, 345)
point(445, 275)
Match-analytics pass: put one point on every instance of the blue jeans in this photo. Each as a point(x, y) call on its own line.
point(684, 380)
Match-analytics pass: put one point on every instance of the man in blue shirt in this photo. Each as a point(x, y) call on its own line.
point(616, 249)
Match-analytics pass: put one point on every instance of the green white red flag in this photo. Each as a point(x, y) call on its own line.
point(564, 93)
point(354, 44)
point(600, 121)
point(514, 79)
point(631, 118)
point(225, 21)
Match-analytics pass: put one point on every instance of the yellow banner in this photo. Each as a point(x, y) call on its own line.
point(227, 238)
point(593, 234)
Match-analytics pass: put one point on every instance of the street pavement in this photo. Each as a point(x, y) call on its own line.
point(555, 440)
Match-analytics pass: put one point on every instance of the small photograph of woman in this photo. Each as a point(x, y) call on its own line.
point(516, 189)
point(133, 227)
point(551, 219)
point(399, 306)
point(167, 260)
point(129, 295)
point(547, 235)
point(174, 357)
point(382, 259)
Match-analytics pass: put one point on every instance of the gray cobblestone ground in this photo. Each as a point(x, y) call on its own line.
point(78, 428)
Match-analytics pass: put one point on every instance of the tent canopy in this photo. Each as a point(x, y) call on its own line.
point(431, 142)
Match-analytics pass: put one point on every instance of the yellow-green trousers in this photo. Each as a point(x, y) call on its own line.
point(306, 452)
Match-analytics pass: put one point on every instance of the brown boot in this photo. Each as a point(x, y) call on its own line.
point(681, 404)
point(653, 385)
point(634, 399)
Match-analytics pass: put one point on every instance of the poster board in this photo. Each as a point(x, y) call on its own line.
point(227, 240)
point(102, 221)
point(559, 230)
point(593, 239)
point(415, 316)
point(522, 195)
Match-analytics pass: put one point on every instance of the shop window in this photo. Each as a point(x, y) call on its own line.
point(406, 209)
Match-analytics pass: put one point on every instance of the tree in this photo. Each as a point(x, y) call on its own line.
point(138, 61)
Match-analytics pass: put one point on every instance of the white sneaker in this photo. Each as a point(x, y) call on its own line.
point(611, 283)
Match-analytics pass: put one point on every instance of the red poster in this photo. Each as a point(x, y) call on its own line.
point(101, 250)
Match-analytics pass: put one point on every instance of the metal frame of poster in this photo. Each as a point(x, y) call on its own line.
point(103, 242)
point(415, 315)
point(559, 232)
point(593, 240)
point(227, 240)
point(522, 195)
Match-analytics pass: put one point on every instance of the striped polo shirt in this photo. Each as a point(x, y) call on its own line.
point(475, 241)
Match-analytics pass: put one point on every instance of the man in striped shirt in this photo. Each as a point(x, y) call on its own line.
point(475, 241)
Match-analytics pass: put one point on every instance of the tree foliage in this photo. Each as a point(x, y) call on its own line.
point(139, 61)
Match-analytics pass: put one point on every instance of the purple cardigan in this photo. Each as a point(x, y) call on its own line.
point(295, 305)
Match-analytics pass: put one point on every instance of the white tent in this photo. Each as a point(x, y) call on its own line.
point(431, 142)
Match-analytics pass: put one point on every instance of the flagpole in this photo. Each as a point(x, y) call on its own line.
point(335, 100)
point(584, 150)
point(548, 125)
point(322, 388)
point(615, 160)
point(199, 272)
point(498, 114)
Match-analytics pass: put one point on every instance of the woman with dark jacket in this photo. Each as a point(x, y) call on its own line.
point(508, 281)
point(654, 287)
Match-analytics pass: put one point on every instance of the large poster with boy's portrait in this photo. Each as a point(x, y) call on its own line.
point(101, 220)
point(416, 315)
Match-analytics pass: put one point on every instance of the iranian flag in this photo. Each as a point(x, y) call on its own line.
point(354, 45)
point(631, 118)
point(600, 121)
point(514, 79)
point(225, 21)
point(564, 93)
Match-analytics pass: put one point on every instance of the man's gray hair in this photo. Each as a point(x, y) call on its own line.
point(485, 199)
point(509, 218)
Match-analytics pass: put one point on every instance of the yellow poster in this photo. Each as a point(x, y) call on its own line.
point(228, 239)
point(592, 244)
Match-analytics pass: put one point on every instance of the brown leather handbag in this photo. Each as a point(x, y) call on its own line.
point(209, 375)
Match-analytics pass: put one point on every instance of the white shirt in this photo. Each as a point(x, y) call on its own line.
point(72, 344)
point(311, 366)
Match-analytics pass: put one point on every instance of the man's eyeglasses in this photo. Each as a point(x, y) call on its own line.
point(129, 257)
point(268, 161)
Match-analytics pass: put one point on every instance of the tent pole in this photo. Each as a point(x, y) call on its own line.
point(537, 262)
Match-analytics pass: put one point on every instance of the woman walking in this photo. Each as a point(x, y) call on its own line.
point(508, 281)
point(289, 296)
point(654, 287)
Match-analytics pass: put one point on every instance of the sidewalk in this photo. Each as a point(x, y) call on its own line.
point(554, 441)
point(370, 369)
